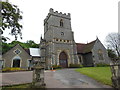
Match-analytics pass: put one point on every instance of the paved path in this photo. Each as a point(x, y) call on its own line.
point(65, 78)
point(76, 80)
point(16, 78)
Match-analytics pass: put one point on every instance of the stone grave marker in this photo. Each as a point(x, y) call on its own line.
point(38, 75)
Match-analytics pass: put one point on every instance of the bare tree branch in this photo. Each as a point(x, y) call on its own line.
point(113, 42)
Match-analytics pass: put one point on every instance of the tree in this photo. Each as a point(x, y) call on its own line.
point(8, 46)
point(111, 54)
point(32, 44)
point(13, 43)
point(11, 15)
point(5, 47)
point(27, 45)
point(113, 42)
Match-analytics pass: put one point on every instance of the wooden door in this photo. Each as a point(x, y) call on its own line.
point(63, 60)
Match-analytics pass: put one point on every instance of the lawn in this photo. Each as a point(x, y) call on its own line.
point(101, 74)
point(16, 86)
point(21, 86)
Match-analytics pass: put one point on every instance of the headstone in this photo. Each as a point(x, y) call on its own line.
point(115, 69)
point(119, 75)
point(38, 75)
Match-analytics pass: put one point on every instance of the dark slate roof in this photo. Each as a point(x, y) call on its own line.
point(27, 50)
point(89, 47)
point(85, 48)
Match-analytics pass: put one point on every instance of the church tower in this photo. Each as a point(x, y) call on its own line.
point(58, 42)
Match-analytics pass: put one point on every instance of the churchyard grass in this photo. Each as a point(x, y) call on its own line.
point(19, 86)
point(101, 74)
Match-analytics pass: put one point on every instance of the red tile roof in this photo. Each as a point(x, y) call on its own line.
point(80, 47)
point(85, 48)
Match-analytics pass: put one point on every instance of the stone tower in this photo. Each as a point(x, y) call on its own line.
point(58, 46)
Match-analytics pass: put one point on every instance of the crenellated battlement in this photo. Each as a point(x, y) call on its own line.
point(56, 13)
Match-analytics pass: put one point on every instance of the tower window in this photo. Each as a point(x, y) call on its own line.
point(62, 33)
point(61, 23)
point(56, 39)
point(60, 40)
point(67, 40)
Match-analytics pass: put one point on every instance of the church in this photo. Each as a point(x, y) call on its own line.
point(58, 46)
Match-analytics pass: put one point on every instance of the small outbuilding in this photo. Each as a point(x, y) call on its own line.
point(20, 57)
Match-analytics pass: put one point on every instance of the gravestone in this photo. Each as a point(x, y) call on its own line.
point(38, 75)
point(119, 76)
point(115, 68)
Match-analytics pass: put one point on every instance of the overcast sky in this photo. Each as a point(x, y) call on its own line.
point(89, 18)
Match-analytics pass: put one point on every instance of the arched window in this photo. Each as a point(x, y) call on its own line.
point(100, 54)
point(61, 22)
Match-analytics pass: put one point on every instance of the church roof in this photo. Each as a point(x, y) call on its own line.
point(85, 48)
point(80, 47)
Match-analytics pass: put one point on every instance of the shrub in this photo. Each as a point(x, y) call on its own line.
point(102, 65)
point(56, 66)
point(76, 66)
point(12, 69)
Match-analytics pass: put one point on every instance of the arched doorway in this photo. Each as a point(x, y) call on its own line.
point(63, 59)
point(16, 61)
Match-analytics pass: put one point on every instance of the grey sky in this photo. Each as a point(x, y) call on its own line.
point(89, 18)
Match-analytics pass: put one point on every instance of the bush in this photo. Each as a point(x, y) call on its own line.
point(102, 65)
point(76, 66)
point(12, 69)
point(56, 66)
